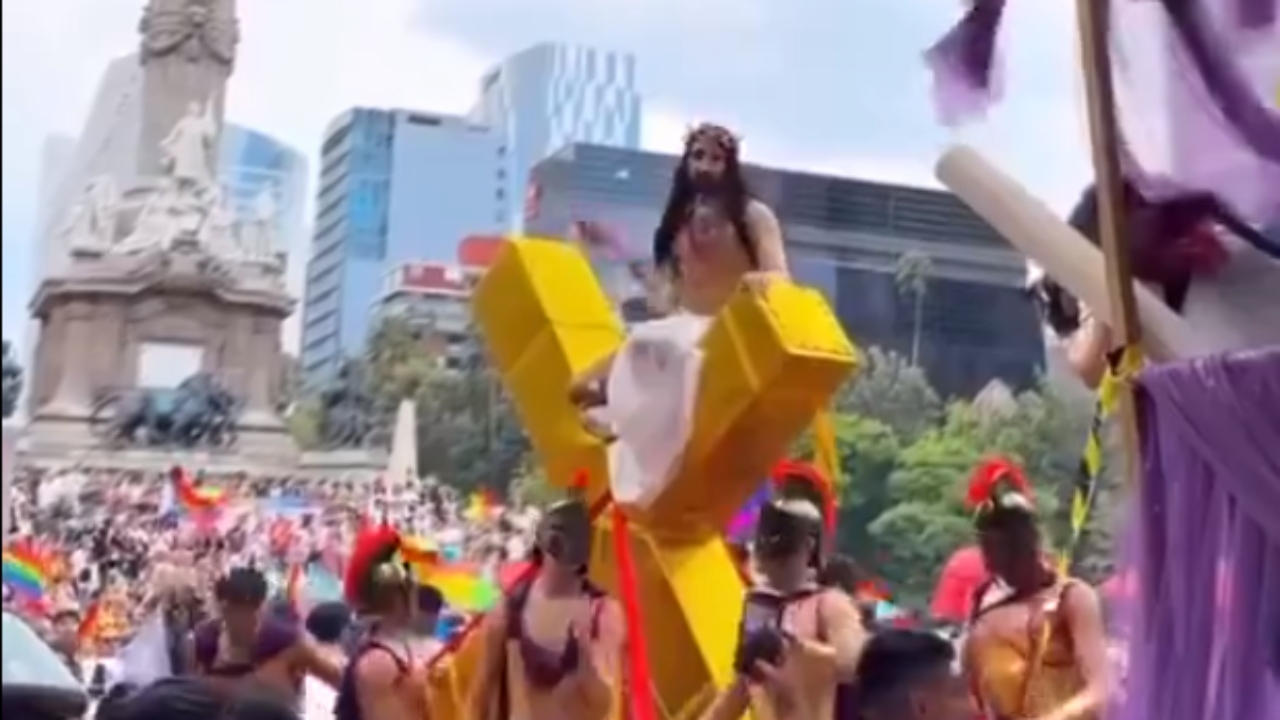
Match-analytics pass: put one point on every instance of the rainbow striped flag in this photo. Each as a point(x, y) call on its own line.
point(464, 587)
point(480, 507)
point(25, 574)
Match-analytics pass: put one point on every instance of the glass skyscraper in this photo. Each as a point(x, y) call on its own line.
point(549, 96)
point(252, 163)
point(396, 186)
point(845, 237)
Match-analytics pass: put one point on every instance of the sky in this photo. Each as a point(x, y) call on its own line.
point(826, 85)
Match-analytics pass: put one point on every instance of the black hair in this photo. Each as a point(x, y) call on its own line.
point(842, 573)
point(242, 586)
point(1148, 224)
point(895, 662)
point(430, 599)
point(681, 201)
point(328, 622)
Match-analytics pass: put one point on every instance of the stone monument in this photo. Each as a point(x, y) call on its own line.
point(165, 278)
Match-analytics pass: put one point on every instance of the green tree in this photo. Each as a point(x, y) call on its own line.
point(12, 380)
point(303, 421)
point(890, 389)
point(399, 366)
point(925, 520)
point(911, 274)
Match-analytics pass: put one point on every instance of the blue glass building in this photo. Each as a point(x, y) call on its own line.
point(251, 163)
point(395, 186)
point(549, 96)
point(845, 237)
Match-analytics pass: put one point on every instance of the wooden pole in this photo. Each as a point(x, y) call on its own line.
point(1094, 21)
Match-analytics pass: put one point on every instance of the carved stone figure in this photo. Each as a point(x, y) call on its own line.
point(200, 412)
point(187, 51)
point(187, 151)
point(91, 224)
point(220, 233)
point(170, 213)
point(348, 410)
point(257, 233)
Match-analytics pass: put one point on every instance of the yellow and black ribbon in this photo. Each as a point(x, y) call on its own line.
point(1122, 370)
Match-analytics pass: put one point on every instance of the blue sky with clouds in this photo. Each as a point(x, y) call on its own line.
point(832, 85)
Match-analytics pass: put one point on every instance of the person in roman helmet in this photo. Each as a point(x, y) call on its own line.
point(553, 649)
point(800, 640)
point(244, 642)
point(1035, 646)
point(383, 679)
point(714, 236)
point(1207, 264)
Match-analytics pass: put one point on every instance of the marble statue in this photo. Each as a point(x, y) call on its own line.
point(220, 233)
point(91, 224)
point(257, 234)
point(170, 213)
point(187, 152)
point(187, 52)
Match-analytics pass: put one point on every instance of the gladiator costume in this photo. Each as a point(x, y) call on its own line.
point(375, 574)
point(565, 535)
point(1035, 673)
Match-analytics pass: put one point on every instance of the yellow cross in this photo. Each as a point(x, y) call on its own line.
point(769, 365)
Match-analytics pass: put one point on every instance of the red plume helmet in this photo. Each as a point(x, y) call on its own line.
point(373, 546)
point(803, 480)
point(987, 478)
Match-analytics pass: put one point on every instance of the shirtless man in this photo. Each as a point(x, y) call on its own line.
point(384, 677)
point(800, 641)
point(244, 643)
point(713, 236)
point(553, 651)
point(1036, 648)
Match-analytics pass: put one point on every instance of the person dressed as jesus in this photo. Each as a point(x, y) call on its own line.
point(713, 238)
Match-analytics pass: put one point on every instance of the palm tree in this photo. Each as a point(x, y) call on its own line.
point(912, 277)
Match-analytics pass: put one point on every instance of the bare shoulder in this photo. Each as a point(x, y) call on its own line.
point(758, 212)
point(836, 605)
point(377, 669)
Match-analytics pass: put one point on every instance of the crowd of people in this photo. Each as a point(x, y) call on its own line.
point(112, 542)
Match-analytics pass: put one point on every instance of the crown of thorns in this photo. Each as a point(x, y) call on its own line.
point(717, 134)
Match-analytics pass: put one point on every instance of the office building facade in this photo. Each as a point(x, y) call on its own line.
point(845, 237)
point(395, 186)
point(552, 95)
point(433, 299)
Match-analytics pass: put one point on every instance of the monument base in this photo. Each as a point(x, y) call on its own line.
point(367, 463)
point(60, 441)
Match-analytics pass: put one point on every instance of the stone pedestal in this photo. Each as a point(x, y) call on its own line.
point(368, 463)
point(97, 317)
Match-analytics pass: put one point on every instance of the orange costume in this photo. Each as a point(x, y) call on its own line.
point(1018, 651)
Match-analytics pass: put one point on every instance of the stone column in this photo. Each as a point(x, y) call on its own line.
point(70, 398)
point(262, 360)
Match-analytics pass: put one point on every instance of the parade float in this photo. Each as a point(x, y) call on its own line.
point(766, 368)
point(1197, 381)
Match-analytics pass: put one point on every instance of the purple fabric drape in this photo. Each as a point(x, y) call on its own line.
point(1227, 117)
point(1207, 551)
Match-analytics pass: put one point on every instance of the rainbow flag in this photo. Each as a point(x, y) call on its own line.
point(194, 498)
point(464, 587)
point(480, 507)
point(25, 574)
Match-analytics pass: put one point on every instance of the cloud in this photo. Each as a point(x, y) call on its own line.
point(825, 85)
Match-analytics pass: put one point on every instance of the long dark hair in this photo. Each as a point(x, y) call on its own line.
point(735, 197)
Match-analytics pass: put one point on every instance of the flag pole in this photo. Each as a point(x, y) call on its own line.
point(1093, 18)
